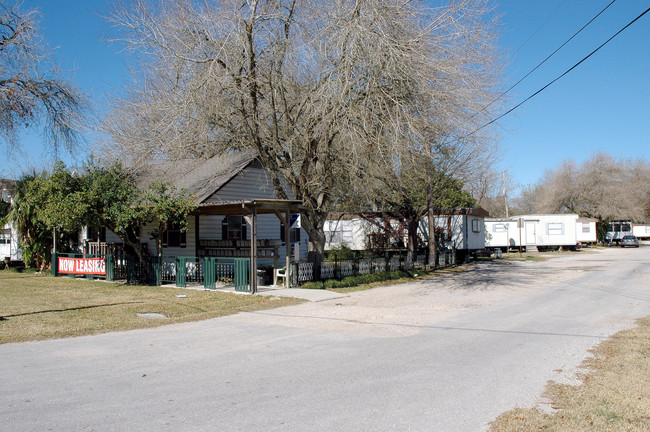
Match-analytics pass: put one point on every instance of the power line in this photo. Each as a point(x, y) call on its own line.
point(562, 75)
point(549, 56)
point(537, 30)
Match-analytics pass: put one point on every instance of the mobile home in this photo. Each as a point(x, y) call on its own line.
point(460, 228)
point(641, 231)
point(586, 230)
point(618, 229)
point(534, 231)
point(9, 244)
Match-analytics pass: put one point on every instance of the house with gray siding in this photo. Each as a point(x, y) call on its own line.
point(223, 181)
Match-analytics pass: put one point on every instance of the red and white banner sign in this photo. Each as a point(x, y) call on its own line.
point(84, 266)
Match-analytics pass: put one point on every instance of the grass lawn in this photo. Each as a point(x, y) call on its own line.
point(614, 395)
point(36, 307)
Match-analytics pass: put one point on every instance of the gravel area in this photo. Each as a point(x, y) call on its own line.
point(399, 310)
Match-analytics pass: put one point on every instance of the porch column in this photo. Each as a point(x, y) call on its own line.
point(252, 221)
point(253, 280)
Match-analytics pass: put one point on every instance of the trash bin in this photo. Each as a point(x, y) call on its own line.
point(498, 253)
point(261, 277)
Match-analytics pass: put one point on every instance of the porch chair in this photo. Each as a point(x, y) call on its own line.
point(280, 273)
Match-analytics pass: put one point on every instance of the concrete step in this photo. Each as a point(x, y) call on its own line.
point(531, 249)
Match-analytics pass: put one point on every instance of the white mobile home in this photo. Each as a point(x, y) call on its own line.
point(9, 244)
point(535, 231)
point(460, 228)
point(586, 230)
point(501, 233)
point(641, 231)
point(360, 231)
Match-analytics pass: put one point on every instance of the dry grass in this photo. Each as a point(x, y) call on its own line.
point(614, 395)
point(36, 307)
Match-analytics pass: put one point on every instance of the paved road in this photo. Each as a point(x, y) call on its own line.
point(405, 363)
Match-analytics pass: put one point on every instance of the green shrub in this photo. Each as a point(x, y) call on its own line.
point(352, 281)
point(313, 285)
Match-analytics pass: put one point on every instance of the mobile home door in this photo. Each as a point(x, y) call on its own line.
point(530, 229)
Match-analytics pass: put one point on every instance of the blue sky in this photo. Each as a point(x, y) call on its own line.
point(603, 105)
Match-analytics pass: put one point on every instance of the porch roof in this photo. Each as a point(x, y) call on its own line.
point(261, 206)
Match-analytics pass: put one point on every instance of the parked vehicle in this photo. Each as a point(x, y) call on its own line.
point(629, 240)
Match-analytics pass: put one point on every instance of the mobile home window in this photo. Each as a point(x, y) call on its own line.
point(475, 226)
point(585, 227)
point(499, 228)
point(554, 229)
point(626, 227)
point(5, 237)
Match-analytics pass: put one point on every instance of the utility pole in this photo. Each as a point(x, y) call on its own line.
point(505, 194)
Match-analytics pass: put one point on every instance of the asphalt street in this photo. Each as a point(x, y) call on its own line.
point(307, 368)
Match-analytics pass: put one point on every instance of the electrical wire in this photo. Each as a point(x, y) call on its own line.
point(562, 75)
point(547, 58)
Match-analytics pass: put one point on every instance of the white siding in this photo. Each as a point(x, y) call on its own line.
point(353, 233)
point(458, 230)
point(641, 231)
point(586, 231)
point(549, 231)
point(9, 247)
point(501, 233)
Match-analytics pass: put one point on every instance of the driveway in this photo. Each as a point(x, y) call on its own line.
point(445, 354)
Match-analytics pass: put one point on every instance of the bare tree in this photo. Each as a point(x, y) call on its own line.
point(601, 187)
point(31, 90)
point(312, 87)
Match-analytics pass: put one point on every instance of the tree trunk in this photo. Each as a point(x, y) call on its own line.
point(313, 224)
point(412, 229)
point(431, 222)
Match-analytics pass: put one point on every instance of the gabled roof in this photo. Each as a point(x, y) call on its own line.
point(201, 177)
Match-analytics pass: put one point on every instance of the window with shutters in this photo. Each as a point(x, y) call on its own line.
point(294, 232)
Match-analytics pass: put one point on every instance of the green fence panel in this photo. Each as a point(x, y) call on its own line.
point(110, 268)
point(209, 271)
point(242, 274)
point(55, 265)
point(181, 272)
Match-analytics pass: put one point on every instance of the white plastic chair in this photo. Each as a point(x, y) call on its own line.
point(280, 273)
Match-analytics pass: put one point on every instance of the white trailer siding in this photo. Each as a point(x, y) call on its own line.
point(641, 231)
point(501, 233)
point(463, 232)
point(350, 233)
point(540, 230)
point(586, 230)
point(9, 245)
point(556, 230)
